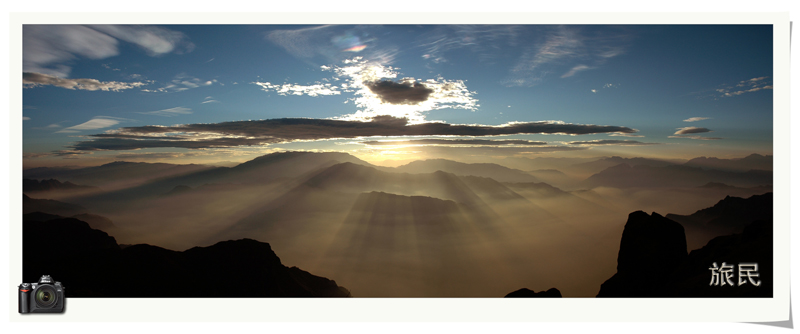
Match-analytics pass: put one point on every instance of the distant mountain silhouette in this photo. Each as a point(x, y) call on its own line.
point(736, 191)
point(525, 292)
point(731, 213)
point(561, 164)
point(604, 163)
point(355, 178)
point(727, 216)
point(625, 176)
point(179, 189)
point(286, 165)
point(96, 222)
point(494, 171)
point(92, 264)
point(554, 177)
point(50, 206)
point(114, 174)
point(753, 161)
point(337, 187)
point(537, 189)
point(31, 186)
point(653, 261)
point(268, 168)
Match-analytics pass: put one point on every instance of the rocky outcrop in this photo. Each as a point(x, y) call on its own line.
point(92, 264)
point(527, 293)
point(651, 247)
point(652, 261)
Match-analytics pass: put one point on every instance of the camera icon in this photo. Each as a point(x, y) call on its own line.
point(46, 296)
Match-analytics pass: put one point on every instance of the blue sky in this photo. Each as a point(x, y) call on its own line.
point(93, 94)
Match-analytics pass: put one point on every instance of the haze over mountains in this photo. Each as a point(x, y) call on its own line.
point(432, 228)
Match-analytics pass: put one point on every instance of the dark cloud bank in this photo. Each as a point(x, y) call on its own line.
point(400, 92)
point(246, 133)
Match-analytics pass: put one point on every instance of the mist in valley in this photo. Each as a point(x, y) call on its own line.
point(434, 228)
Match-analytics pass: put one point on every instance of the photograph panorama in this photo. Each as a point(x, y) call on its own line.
point(398, 160)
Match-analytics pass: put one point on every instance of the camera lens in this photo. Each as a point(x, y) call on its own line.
point(45, 296)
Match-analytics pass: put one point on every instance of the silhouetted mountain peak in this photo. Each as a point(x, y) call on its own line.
point(179, 189)
point(491, 170)
point(75, 253)
point(650, 237)
point(653, 261)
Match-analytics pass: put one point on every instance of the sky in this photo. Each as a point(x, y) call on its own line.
point(221, 94)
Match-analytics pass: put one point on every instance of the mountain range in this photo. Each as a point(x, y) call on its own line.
point(90, 263)
point(433, 228)
point(653, 259)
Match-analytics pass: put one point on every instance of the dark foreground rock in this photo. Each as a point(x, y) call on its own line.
point(90, 263)
point(652, 261)
point(527, 293)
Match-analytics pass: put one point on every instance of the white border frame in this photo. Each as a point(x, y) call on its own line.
point(426, 309)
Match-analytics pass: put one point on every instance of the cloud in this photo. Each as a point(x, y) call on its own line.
point(751, 82)
point(30, 80)
point(459, 152)
point(404, 92)
point(248, 133)
point(209, 99)
point(574, 70)
point(551, 49)
point(66, 154)
point(489, 42)
point(455, 142)
point(611, 142)
point(376, 91)
point(594, 90)
point(695, 119)
point(626, 135)
point(153, 155)
point(98, 122)
point(728, 93)
point(25, 118)
point(334, 43)
point(292, 89)
point(697, 137)
point(745, 86)
point(690, 130)
point(169, 112)
point(180, 83)
point(47, 49)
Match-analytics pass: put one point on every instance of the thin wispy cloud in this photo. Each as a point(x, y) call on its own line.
point(209, 99)
point(459, 152)
point(333, 43)
point(696, 119)
point(171, 112)
point(25, 118)
point(745, 86)
point(566, 47)
point(249, 133)
point(610, 142)
point(626, 135)
point(30, 80)
point(488, 42)
point(182, 82)
point(697, 137)
point(98, 122)
point(454, 142)
point(575, 70)
point(51, 49)
point(691, 130)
